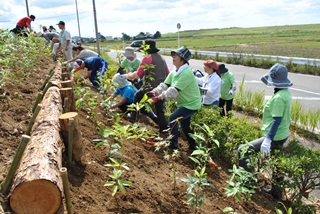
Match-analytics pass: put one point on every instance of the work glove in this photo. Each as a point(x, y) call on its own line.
point(265, 147)
point(151, 94)
point(231, 92)
point(154, 100)
point(64, 63)
point(123, 76)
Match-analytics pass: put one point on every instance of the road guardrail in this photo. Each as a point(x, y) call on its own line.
point(294, 60)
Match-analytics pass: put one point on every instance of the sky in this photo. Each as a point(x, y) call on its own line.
point(115, 17)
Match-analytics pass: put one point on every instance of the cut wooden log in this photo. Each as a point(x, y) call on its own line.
point(37, 186)
point(77, 149)
point(68, 93)
point(65, 76)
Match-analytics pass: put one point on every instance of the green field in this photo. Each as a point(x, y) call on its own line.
point(289, 40)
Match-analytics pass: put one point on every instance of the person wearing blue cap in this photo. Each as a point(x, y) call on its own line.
point(275, 120)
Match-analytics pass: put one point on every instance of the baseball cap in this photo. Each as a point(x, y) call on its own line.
point(77, 65)
point(61, 23)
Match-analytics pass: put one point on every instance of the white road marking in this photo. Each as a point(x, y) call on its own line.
point(298, 98)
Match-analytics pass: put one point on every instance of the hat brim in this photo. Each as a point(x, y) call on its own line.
point(150, 50)
point(267, 80)
point(130, 55)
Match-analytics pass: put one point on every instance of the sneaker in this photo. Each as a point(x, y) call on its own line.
point(102, 90)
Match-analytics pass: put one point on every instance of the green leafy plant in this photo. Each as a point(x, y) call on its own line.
point(279, 211)
point(240, 184)
point(300, 168)
point(116, 183)
point(197, 184)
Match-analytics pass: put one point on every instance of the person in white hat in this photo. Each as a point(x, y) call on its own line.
point(125, 90)
point(130, 64)
point(275, 120)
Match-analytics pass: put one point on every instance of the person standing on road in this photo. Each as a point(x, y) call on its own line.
point(23, 26)
point(96, 68)
point(153, 70)
point(210, 84)
point(275, 119)
point(182, 86)
point(65, 41)
point(228, 88)
point(80, 53)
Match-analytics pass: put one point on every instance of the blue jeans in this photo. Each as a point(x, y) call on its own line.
point(185, 126)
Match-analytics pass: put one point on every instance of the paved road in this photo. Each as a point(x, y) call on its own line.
point(306, 88)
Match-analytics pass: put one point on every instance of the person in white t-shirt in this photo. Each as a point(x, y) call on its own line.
point(210, 84)
point(65, 41)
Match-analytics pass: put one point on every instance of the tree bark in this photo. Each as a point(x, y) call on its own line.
point(37, 186)
point(77, 149)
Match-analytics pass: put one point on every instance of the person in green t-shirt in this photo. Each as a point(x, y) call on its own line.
point(275, 120)
point(182, 86)
point(130, 64)
point(227, 90)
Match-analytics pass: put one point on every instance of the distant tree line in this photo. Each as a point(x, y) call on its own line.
point(141, 35)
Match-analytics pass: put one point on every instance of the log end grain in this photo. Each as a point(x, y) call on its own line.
point(36, 196)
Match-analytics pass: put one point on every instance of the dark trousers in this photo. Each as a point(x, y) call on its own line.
point(228, 104)
point(19, 31)
point(185, 116)
point(254, 146)
point(159, 117)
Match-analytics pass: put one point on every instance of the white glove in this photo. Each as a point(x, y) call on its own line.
point(64, 63)
point(231, 92)
point(265, 147)
point(123, 76)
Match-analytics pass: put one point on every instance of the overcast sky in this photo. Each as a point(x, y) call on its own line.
point(134, 16)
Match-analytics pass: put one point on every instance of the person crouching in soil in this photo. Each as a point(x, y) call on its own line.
point(125, 90)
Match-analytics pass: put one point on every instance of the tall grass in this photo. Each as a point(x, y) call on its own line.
point(253, 102)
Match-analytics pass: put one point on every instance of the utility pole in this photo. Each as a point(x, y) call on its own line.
point(27, 7)
point(96, 26)
point(78, 20)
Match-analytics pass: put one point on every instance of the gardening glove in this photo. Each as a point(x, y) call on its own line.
point(231, 92)
point(154, 100)
point(151, 94)
point(123, 76)
point(64, 63)
point(265, 147)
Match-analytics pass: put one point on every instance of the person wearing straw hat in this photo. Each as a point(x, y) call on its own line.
point(182, 86)
point(275, 119)
point(130, 64)
point(210, 84)
point(228, 88)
